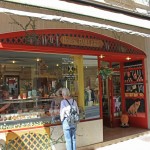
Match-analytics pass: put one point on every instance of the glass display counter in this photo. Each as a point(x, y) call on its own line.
point(31, 112)
point(25, 112)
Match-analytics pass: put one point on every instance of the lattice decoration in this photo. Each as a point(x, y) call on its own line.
point(55, 40)
point(28, 141)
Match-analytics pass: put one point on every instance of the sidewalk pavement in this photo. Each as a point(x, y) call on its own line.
point(136, 142)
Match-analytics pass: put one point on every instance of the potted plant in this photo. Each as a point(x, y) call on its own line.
point(106, 72)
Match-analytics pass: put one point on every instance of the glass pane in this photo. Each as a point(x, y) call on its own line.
point(91, 87)
point(116, 93)
point(30, 85)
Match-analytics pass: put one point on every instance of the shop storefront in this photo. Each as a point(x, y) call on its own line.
point(35, 65)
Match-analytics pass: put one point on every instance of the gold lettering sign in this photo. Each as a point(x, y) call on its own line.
point(76, 41)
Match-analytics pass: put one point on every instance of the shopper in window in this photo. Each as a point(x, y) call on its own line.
point(5, 95)
point(69, 131)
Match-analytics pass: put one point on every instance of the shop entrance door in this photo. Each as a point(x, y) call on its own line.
point(111, 96)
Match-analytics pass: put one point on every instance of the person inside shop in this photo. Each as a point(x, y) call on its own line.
point(58, 98)
point(4, 95)
point(90, 94)
point(40, 91)
point(59, 87)
point(56, 103)
point(96, 90)
point(69, 130)
point(48, 88)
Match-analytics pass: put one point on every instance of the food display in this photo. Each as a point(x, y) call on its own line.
point(30, 109)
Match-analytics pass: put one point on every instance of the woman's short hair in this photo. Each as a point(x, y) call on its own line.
point(65, 92)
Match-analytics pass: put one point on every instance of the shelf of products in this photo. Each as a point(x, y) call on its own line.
point(134, 87)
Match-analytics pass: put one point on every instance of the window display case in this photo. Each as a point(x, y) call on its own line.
point(29, 111)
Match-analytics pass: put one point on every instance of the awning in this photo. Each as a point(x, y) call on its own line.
point(71, 20)
point(86, 11)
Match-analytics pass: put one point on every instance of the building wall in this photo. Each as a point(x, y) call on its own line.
point(147, 71)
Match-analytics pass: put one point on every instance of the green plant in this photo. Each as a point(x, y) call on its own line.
point(106, 72)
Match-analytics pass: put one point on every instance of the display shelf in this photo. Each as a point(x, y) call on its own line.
point(134, 64)
point(6, 101)
point(131, 83)
point(130, 68)
point(132, 97)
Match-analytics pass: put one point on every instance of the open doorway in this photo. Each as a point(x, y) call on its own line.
point(111, 96)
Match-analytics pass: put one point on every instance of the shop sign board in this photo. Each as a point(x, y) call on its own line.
point(81, 41)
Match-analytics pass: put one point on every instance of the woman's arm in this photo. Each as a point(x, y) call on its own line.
point(4, 107)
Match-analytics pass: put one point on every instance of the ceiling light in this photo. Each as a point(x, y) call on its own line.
point(57, 65)
point(38, 59)
point(128, 58)
point(101, 56)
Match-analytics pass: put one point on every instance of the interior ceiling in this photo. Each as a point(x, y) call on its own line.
point(26, 58)
point(29, 59)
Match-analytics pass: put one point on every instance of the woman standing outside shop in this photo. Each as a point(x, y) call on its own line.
point(69, 130)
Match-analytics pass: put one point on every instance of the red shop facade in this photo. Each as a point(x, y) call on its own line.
point(124, 93)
